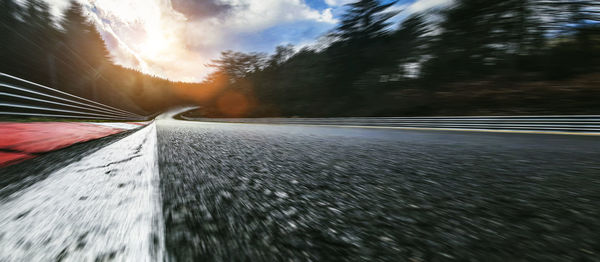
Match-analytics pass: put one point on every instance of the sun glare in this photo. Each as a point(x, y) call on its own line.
point(154, 45)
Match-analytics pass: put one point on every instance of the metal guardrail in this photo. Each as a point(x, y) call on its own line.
point(20, 97)
point(566, 123)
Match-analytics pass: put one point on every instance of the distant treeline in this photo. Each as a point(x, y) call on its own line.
point(70, 55)
point(473, 57)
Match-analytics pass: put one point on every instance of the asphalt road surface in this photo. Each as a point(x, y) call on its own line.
point(198, 191)
point(257, 192)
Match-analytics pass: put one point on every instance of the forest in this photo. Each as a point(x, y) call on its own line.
point(70, 55)
point(474, 57)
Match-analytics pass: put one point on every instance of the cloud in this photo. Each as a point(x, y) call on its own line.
point(338, 2)
point(422, 5)
point(176, 39)
point(200, 9)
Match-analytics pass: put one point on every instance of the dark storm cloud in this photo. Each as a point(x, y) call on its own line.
point(195, 9)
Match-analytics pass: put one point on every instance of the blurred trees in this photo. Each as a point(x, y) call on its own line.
point(364, 19)
point(69, 54)
point(282, 53)
point(474, 56)
point(373, 67)
point(573, 29)
point(238, 65)
point(481, 37)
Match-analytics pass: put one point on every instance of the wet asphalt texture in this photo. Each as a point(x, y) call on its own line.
point(251, 192)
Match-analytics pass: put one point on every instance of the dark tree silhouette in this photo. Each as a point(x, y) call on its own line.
point(472, 57)
point(69, 54)
point(445, 61)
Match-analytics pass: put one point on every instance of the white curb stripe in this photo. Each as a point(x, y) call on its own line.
point(126, 126)
point(106, 206)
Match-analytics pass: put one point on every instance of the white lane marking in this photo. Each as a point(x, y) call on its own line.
point(126, 126)
point(106, 206)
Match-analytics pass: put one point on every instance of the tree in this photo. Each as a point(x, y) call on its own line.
point(72, 57)
point(282, 53)
point(9, 23)
point(480, 36)
point(238, 65)
point(365, 19)
point(573, 42)
point(410, 42)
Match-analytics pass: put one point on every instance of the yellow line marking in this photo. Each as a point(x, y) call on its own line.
point(432, 129)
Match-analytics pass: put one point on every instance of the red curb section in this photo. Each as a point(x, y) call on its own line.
point(7, 158)
point(21, 141)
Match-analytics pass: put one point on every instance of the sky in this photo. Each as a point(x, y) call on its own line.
point(177, 39)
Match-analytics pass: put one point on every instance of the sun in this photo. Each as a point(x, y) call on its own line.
point(154, 45)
